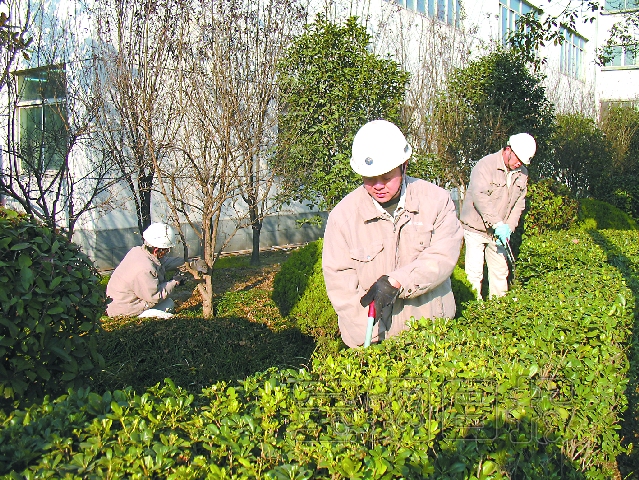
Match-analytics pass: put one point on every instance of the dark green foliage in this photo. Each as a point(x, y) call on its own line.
point(483, 104)
point(50, 308)
point(581, 156)
point(331, 85)
point(619, 183)
point(462, 289)
point(291, 282)
point(598, 215)
point(196, 352)
point(299, 292)
point(549, 206)
point(530, 385)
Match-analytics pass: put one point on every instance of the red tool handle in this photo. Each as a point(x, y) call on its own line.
point(371, 310)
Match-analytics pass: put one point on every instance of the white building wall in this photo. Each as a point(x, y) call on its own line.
point(410, 38)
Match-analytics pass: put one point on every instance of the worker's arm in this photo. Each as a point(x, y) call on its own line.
point(147, 287)
point(436, 262)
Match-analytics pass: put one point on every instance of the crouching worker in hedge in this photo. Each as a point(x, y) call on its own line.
point(393, 242)
point(137, 286)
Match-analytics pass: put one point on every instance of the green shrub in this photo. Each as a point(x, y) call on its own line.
point(530, 385)
point(50, 307)
point(290, 283)
point(299, 292)
point(598, 215)
point(462, 289)
point(549, 206)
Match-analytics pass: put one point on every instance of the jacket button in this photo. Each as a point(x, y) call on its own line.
point(368, 257)
point(410, 291)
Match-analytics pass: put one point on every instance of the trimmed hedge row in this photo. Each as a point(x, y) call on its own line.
point(527, 386)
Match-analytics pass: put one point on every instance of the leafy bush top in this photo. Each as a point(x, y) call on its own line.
point(49, 310)
point(598, 215)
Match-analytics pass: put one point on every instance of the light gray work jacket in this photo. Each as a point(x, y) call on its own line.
point(419, 247)
point(138, 283)
point(490, 200)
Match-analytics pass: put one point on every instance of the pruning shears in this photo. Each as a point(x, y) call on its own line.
point(371, 322)
point(511, 262)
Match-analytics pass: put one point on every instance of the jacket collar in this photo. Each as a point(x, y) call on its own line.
point(370, 209)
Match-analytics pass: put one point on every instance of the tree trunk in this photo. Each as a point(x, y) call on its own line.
point(206, 292)
point(255, 255)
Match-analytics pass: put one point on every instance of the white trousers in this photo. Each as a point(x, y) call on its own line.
point(479, 248)
point(160, 310)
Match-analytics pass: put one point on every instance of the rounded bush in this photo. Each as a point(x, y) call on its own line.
point(598, 215)
point(50, 307)
point(300, 294)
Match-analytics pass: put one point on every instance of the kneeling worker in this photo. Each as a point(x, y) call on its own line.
point(137, 286)
point(394, 241)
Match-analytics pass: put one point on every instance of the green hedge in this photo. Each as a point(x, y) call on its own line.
point(530, 385)
point(299, 292)
point(50, 310)
point(598, 215)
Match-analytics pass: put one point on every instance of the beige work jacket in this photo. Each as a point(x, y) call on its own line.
point(419, 247)
point(489, 199)
point(138, 283)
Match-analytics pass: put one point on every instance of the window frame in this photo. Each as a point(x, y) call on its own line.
point(508, 22)
point(48, 105)
point(573, 47)
point(623, 9)
point(445, 11)
point(623, 56)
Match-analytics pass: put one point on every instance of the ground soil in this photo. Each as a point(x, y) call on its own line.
point(235, 278)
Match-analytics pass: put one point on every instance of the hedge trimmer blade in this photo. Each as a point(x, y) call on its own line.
point(510, 258)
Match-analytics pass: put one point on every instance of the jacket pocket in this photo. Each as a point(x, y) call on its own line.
point(367, 268)
point(366, 254)
point(495, 188)
point(415, 239)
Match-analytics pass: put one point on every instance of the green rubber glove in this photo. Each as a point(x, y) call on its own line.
point(502, 232)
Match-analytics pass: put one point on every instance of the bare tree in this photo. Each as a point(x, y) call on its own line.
point(15, 38)
point(138, 118)
point(50, 168)
point(216, 177)
point(262, 32)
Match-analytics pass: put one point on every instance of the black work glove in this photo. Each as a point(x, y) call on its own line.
point(180, 278)
point(384, 295)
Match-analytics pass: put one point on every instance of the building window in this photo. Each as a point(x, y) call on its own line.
point(42, 117)
point(448, 11)
point(623, 56)
point(572, 53)
point(621, 5)
point(510, 11)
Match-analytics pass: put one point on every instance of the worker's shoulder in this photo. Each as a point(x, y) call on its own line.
point(350, 203)
point(424, 187)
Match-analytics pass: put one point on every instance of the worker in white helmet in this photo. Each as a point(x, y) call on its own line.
point(392, 242)
point(138, 286)
point(491, 211)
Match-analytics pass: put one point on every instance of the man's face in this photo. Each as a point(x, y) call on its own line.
point(511, 159)
point(161, 252)
point(383, 188)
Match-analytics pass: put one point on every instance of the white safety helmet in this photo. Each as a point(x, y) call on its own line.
point(378, 147)
point(160, 235)
point(524, 146)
